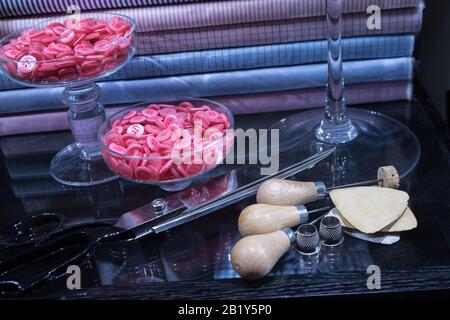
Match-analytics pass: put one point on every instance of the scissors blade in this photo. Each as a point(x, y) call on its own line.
point(236, 195)
point(146, 217)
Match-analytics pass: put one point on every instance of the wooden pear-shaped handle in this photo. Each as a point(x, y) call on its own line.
point(265, 218)
point(254, 256)
point(286, 192)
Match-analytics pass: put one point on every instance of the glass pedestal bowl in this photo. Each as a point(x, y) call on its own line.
point(171, 164)
point(73, 53)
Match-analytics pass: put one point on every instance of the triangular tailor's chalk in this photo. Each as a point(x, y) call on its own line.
point(370, 209)
point(407, 221)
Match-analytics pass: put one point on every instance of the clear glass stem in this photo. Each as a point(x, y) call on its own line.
point(85, 115)
point(81, 163)
point(336, 127)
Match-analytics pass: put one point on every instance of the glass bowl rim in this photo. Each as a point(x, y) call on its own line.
point(82, 16)
point(104, 147)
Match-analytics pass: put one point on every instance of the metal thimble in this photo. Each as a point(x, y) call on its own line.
point(308, 241)
point(330, 231)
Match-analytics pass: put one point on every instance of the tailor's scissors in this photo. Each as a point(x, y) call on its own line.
point(47, 246)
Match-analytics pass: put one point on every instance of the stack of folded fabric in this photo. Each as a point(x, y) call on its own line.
point(252, 55)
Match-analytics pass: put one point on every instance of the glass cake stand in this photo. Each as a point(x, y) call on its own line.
point(81, 163)
point(365, 136)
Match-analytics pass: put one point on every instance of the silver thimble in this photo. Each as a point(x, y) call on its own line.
point(308, 241)
point(330, 231)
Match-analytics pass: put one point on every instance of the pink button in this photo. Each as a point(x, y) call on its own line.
point(62, 47)
point(92, 36)
point(116, 148)
point(152, 143)
point(147, 173)
point(49, 66)
point(67, 63)
point(152, 129)
point(67, 36)
point(12, 54)
point(128, 139)
point(130, 115)
point(149, 113)
point(36, 46)
point(83, 50)
point(58, 29)
point(138, 119)
point(102, 45)
point(164, 135)
point(117, 129)
point(134, 148)
point(182, 144)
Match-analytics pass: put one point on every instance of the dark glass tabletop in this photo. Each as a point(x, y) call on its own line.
point(193, 260)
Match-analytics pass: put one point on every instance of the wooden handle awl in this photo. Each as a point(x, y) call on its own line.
point(266, 218)
point(286, 192)
point(254, 256)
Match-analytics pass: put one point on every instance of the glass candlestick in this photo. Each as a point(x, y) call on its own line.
point(81, 163)
point(368, 139)
point(336, 127)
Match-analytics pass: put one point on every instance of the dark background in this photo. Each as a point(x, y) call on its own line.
point(433, 53)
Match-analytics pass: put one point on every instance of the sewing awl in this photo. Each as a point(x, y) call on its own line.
point(290, 193)
point(265, 218)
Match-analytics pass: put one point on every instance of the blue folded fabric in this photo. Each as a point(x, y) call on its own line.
point(254, 57)
point(215, 84)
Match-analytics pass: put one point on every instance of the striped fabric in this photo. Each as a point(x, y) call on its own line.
point(240, 104)
point(14, 8)
point(216, 84)
point(398, 21)
point(208, 14)
point(298, 53)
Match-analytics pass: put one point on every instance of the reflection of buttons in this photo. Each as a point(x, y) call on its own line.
point(26, 64)
point(136, 130)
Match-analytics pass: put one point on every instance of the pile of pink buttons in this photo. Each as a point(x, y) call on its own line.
point(164, 142)
point(68, 51)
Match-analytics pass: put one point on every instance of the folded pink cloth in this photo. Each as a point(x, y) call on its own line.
point(206, 14)
point(238, 104)
point(399, 21)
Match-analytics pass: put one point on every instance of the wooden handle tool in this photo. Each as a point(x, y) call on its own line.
point(289, 193)
point(266, 218)
point(254, 256)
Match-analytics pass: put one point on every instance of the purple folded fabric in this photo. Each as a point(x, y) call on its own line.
point(397, 21)
point(315, 97)
point(239, 104)
point(13, 8)
point(207, 14)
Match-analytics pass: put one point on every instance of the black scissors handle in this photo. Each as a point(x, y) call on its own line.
point(45, 262)
point(49, 259)
point(31, 230)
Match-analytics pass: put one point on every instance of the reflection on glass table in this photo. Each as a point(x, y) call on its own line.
point(205, 244)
